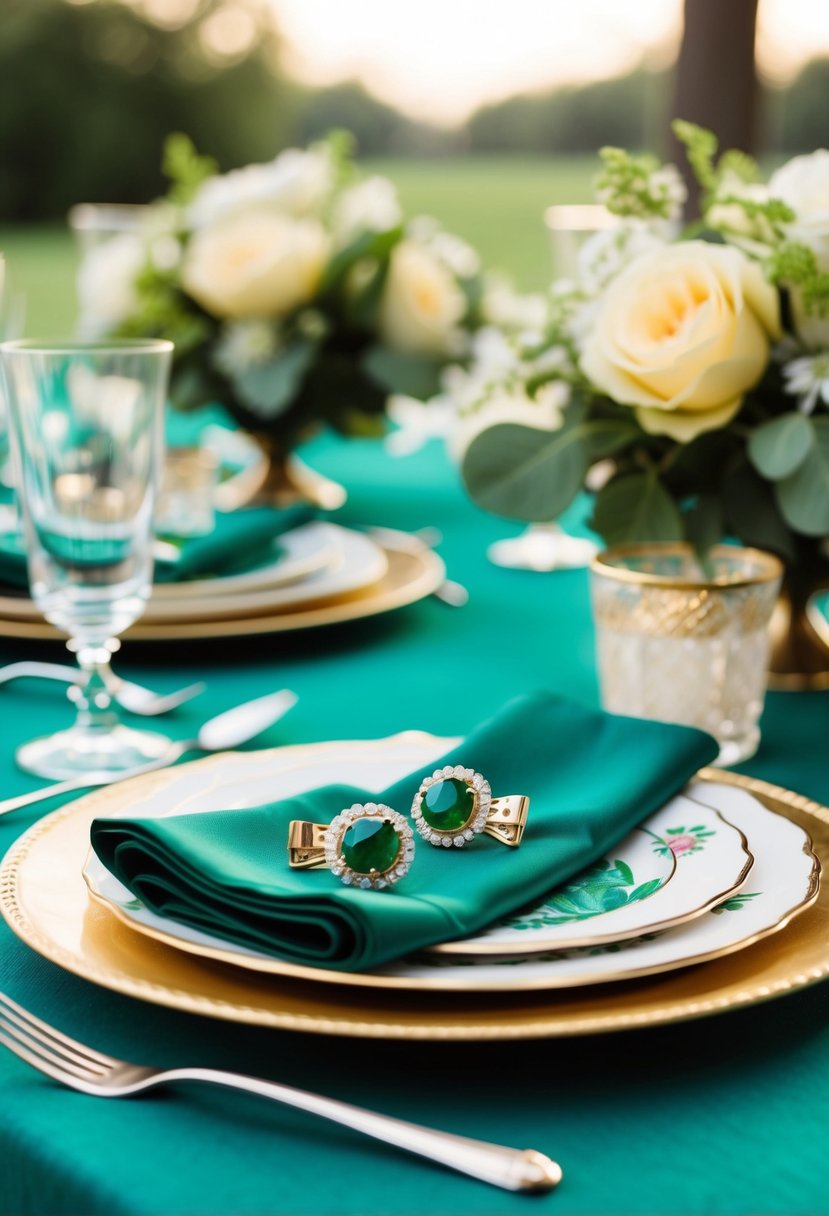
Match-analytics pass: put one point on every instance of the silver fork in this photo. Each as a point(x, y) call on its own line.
point(80, 1067)
point(133, 697)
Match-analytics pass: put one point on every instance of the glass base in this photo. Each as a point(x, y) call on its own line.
point(734, 751)
point(70, 753)
point(543, 547)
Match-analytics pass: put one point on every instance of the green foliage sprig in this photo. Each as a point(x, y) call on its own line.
point(634, 186)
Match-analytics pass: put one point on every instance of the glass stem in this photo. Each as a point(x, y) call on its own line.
point(93, 695)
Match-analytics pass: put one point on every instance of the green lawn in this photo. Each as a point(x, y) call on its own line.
point(497, 203)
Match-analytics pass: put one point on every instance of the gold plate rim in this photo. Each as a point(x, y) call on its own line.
point(689, 993)
point(413, 573)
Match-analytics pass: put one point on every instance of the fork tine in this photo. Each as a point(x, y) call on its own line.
point(53, 1067)
point(49, 1050)
point(42, 1031)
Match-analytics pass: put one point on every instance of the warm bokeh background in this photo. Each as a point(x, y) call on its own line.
point(483, 112)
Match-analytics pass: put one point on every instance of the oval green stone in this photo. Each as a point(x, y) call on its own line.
point(448, 804)
point(370, 845)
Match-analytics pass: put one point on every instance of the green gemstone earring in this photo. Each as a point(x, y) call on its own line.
point(368, 845)
point(455, 805)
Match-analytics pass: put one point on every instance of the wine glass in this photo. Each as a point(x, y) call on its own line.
point(87, 437)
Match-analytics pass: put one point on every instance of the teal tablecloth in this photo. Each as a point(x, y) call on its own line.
point(724, 1115)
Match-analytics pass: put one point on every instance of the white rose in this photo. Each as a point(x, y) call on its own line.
point(256, 263)
point(681, 335)
point(544, 412)
point(297, 183)
point(803, 183)
point(754, 234)
point(370, 206)
point(422, 304)
point(106, 284)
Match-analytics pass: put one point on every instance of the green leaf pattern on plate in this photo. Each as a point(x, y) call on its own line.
point(600, 888)
point(736, 902)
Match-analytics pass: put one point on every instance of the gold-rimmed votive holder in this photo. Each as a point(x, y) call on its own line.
point(186, 498)
point(679, 642)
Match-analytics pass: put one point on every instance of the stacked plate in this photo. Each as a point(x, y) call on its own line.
point(684, 901)
point(318, 574)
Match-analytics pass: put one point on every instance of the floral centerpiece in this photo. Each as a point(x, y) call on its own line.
point(294, 291)
point(683, 378)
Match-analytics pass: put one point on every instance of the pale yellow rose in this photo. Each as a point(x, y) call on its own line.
point(422, 304)
point(255, 263)
point(681, 335)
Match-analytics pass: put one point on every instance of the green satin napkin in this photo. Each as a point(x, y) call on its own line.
point(240, 541)
point(591, 777)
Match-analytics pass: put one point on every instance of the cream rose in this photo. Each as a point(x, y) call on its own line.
point(681, 335)
point(422, 304)
point(255, 263)
point(803, 183)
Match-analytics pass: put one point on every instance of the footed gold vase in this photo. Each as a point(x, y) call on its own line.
point(799, 659)
point(279, 479)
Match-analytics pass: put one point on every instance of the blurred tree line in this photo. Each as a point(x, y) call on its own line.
point(90, 88)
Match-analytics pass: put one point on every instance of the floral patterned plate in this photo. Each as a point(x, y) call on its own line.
point(624, 895)
point(782, 882)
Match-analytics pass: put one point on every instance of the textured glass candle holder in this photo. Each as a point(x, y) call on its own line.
point(185, 504)
point(680, 644)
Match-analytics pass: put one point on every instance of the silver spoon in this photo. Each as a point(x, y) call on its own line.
point(222, 733)
point(133, 697)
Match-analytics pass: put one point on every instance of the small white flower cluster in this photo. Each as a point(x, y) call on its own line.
point(664, 186)
point(808, 379)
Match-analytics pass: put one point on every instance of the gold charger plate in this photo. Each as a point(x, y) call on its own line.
point(45, 901)
point(414, 571)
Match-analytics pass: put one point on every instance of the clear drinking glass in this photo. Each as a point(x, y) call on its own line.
point(682, 645)
point(87, 433)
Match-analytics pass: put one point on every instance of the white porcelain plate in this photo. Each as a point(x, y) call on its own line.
point(354, 562)
point(628, 892)
point(782, 881)
point(294, 555)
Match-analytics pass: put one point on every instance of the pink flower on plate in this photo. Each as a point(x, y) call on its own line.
point(682, 844)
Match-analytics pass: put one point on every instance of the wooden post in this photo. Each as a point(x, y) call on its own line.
point(716, 80)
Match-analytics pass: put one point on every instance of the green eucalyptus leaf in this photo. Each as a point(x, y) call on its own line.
point(636, 508)
point(526, 473)
point(367, 245)
point(704, 526)
point(268, 389)
point(751, 512)
point(413, 375)
point(803, 497)
point(779, 446)
point(605, 436)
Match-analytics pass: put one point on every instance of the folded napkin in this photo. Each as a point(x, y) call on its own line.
point(13, 569)
point(241, 540)
point(591, 777)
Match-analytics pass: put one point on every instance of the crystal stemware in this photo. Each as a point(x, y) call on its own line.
point(87, 433)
